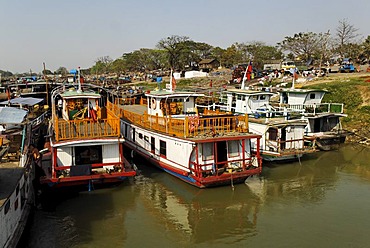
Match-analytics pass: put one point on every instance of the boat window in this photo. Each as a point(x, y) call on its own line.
point(312, 96)
point(207, 151)
point(272, 133)
point(126, 130)
point(7, 207)
point(233, 148)
point(146, 138)
point(262, 97)
point(88, 155)
point(152, 144)
point(239, 97)
point(163, 148)
point(254, 97)
point(140, 136)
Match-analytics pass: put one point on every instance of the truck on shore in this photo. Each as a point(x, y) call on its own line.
point(285, 65)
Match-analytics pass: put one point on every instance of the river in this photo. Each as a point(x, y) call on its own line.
point(320, 201)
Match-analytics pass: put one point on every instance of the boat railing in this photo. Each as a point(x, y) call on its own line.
point(291, 145)
point(217, 169)
point(188, 126)
point(37, 121)
point(87, 128)
point(318, 108)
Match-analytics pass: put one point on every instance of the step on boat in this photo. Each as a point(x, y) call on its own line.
point(203, 150)
point(85, 144)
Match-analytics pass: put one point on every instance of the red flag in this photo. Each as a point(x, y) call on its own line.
point(249, 70)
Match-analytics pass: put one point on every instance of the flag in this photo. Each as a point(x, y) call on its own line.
point(249, 70)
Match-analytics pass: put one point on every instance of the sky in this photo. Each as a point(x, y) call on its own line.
point(75, 33)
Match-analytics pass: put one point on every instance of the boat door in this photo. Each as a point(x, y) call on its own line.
point(283, 138)
point(317, 125)
point(221, 153)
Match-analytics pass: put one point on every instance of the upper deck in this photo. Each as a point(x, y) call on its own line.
point(81, 114)
point(194, 126)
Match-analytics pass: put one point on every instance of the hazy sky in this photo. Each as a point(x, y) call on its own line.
point(72, 33)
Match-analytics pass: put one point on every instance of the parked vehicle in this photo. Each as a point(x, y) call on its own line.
point(347, 66)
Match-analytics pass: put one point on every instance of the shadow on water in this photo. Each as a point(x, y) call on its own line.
point(65, 218)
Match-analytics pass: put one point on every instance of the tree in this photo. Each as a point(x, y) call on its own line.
point(304, 46)
point(102, 65)
point(345, 34)
point(61, 71)
point(174, 46)
point(217, 53)
point(259, 52)
point(233, 55)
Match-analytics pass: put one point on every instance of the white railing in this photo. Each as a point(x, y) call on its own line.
point(318, 108)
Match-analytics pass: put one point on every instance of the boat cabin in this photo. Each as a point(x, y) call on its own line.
point(301, 96)
point(165, 103)
point(75, 104)
point(245, 101)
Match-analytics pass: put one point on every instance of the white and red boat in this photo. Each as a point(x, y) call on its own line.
point(204, 150)
point(85, 144)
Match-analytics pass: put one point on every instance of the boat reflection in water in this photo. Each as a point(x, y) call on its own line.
point(293, 205)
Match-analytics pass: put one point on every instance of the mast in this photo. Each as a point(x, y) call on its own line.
point(79, 80)
point(171, 89)
point(46, 84)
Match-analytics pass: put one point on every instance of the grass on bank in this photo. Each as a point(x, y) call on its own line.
point(355, 94)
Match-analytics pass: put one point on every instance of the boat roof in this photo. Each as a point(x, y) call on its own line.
point(172, 94)
point(12, 115)
point(302, 91)
point(29, 101)
point(249, 92)
point(73, 93)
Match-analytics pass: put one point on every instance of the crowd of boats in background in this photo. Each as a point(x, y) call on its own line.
point(56, 135)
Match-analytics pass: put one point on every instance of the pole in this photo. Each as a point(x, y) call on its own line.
point(47, 85)
point(171, 81)
point(79, 79)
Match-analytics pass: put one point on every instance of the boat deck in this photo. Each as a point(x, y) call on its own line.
point(138, 109)
point(10, 173)
point(188, 126)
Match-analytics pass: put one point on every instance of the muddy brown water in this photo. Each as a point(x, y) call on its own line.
point(321, 202)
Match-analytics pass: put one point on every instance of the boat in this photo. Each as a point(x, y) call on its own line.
point(202, 149)
point(323, 119)
point(84, 145)
point(17, 172)
point(282, 130)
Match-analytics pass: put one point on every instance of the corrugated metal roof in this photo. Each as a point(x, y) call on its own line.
point(12, 115)
point(30, 101)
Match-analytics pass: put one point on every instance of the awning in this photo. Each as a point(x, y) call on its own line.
point(29, 101)
point(10, 115)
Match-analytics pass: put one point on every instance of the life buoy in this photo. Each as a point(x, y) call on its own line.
point(153, 104)
point(193, 123)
